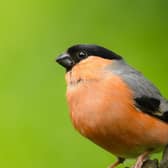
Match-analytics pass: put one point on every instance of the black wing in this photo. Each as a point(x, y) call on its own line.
point(152, 107)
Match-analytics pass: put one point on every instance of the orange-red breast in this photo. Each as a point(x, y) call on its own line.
point(114, 105)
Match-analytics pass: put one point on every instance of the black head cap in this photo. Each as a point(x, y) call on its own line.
point(79, 52)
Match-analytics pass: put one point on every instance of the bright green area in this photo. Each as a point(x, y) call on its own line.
point(35, 129)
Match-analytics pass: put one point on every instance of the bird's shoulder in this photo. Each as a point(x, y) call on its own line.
point(147, 96)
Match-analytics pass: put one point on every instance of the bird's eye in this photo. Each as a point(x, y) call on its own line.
point(82, 54)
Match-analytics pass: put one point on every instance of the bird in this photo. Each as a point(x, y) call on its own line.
point(113, 104)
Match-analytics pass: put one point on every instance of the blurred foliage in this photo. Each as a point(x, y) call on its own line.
point(35, 128)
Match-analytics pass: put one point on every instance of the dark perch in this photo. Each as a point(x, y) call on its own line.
point(155, 163)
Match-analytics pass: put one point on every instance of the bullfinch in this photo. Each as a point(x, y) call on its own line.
point(114, 105)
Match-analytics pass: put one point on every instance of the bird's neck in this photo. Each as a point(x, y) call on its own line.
point(90, 69)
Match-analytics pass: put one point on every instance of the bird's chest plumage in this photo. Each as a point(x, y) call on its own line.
point(94, 101)
point(97, 105)
point(102, 109)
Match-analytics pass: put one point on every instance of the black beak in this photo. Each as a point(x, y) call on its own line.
point(65, 60)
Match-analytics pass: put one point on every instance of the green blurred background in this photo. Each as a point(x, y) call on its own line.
point(35, 129)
